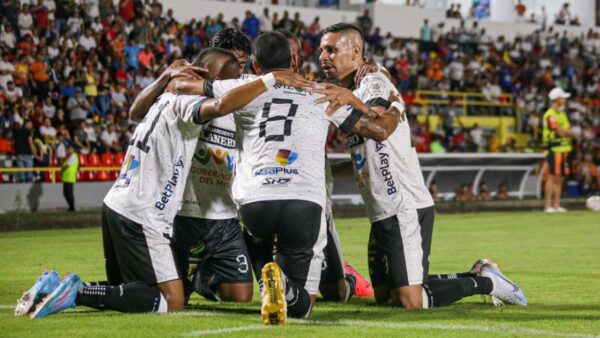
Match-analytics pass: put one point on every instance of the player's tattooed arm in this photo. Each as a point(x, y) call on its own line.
point(377, 122)
point(179, 69)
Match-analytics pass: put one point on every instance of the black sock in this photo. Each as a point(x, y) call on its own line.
point(443, 292)
point(131, 298)
point(452, 275)
point(298, 300)
point(351, 284)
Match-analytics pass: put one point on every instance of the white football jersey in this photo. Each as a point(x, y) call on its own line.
point(280, 141)
point(208, 188)
point(410, 170)
point(152, 179)
point(377, 165)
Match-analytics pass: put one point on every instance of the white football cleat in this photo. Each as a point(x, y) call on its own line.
point(561, 209)
point(476, 268)
point(550, 210)
point(504, 290)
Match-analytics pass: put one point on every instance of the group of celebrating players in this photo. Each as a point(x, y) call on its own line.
point(217, 148)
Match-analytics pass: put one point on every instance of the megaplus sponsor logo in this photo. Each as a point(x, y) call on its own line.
point(384, 165)
point(170, 186)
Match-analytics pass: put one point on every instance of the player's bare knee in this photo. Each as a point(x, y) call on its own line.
point(411, 302)
point(175, 303)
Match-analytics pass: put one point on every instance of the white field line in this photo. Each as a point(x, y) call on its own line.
point(501, 330)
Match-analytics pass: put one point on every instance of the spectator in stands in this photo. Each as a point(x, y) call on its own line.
point(80, 139)
point(251, 25)
point(365, 22)
point(483, 193)
point(6, 71)
point(520, 8)
point(24, 147)
point(266, 23)
point(77, 106)
point(12, 93)
point(48, 132)
point(25, 21)
point(109, 139)
point(502, 193)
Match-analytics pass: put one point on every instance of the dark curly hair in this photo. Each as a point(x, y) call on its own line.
point(232, 39)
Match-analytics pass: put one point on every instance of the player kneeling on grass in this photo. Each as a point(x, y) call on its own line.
point(138, 211)
point(396, 250)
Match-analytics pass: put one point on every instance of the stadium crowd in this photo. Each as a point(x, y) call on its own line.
point(68, 72)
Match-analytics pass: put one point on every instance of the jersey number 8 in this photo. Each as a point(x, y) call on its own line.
point(287, 122)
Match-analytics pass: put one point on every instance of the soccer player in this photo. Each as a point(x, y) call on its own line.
point(557, 136)
point(209, 244)
point(280, 178)
point(392, 195)
point(139, 209)
point(339, 280)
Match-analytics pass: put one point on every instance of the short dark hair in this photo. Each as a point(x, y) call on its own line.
point(289, 35)
point(202, 59)
point(345, 27)
point(272, 51)
point(232, 39)
point(205, 58)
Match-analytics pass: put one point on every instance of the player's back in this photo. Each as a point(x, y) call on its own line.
point(281, 138)
point(152, 178)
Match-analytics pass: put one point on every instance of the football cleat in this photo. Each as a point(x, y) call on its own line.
point(63, 297)
point(561, 209)
point(44, 286)
point(476, 268)
point(363, 287)
point(274, 305)
point(504, 290)
point(550, 210)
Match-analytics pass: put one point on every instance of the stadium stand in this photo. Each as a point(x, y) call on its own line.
point(73, 70)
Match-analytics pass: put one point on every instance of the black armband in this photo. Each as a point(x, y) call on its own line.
point(208, 88)
point(196, 118)
point(379, 102)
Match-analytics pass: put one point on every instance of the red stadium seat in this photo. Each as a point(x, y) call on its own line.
point(93, 160)
point(83, 162)
point(119, 159)
point(5, 146)
point(102, 176)
point(107, 159)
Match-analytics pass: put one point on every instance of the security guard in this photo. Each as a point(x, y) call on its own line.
point(70, 166)
point(557, 141)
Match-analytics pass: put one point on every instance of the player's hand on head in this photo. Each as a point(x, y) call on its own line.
point(364, 70)
point(291, 79)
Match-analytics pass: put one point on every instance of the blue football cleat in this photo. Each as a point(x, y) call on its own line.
point(44, 286)
point(63, 297)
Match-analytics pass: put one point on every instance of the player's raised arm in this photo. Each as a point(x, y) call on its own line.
point(241, 95)
point(180, 69)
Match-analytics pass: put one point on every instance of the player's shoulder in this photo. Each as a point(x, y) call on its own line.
point(376, 84)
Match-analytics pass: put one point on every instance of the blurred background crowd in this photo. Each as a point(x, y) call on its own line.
point(70, 69)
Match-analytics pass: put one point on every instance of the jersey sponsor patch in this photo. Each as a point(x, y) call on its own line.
point(218, 136)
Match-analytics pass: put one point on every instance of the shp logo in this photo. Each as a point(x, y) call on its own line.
point(286, 157)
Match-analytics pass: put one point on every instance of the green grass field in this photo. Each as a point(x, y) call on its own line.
point(553, 257)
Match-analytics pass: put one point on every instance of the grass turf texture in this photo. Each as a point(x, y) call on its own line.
point(553, 258)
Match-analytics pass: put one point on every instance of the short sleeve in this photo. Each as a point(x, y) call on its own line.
point(219, 88)
point(345, 118)
point(186, 107)
point(373, 86)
